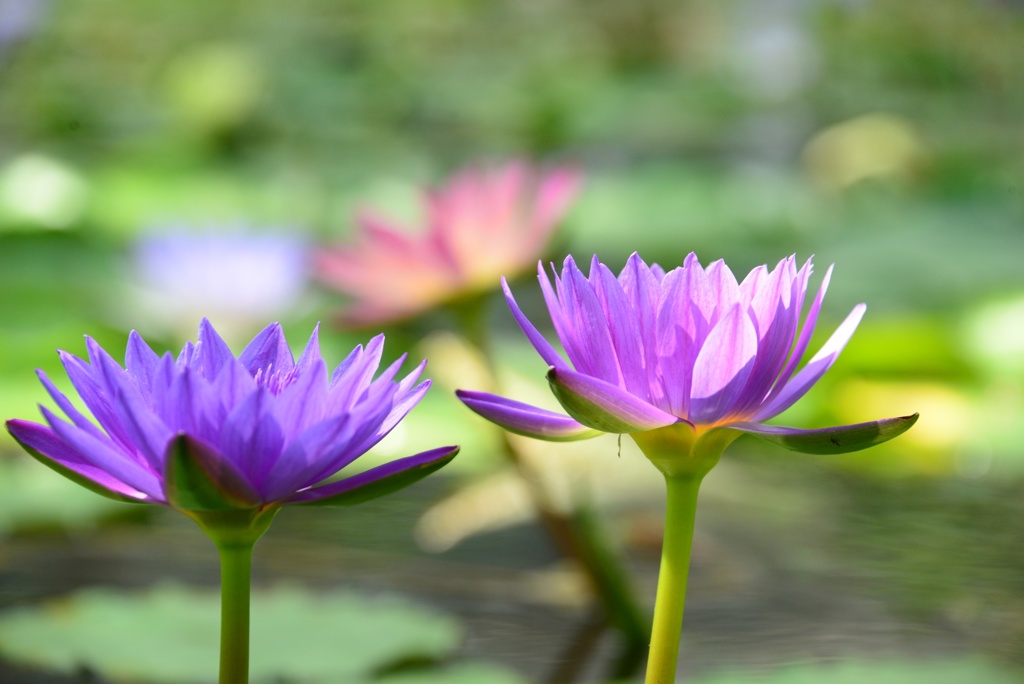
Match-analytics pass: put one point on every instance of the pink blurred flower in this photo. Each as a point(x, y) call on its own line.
point(481, 224)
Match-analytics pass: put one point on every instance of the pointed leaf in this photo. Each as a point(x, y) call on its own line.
point(198, 479)
point(833, 440)
point(376, 482)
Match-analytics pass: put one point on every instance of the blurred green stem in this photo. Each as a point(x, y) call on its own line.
point(680, 514)
point(235, 570)
point(578, 536)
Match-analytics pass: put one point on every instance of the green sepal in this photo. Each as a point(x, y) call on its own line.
point(833, 440)
point(587, 412)
point(682, 451)
point(236, 528)
point(198, 479)
point(373, 483)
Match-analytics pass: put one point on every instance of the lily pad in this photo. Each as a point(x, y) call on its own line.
point(881, 672)
point(466, 673)
point(171, 634)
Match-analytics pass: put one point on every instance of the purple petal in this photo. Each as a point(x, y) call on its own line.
point(332, 449)
point(107, 372)
point(232, 385)
point(145, 432)
point(680, 304)
point(676, 354)
point(769, 293)
point(563, 329)
point(69, 409)
point(141, 362)
point(675, 303)
point(311, 353)
point(681, 329)
point(104, 456)
point(212, 350)
point(348, 385)
point(46, 446)
point(523, 419)
point(166, 371)
point(815, 368)
point(389, 373)
point(589, 323)
point(377, 481)
point(833, 440)
point(268, 350)
point(305, 458)
point(604, 406)
point(773, 346)
point(186, 356)
point(408, 381)
point(326, 448)
point(721, 293)
point(251, 437)
point(543, 347)
point(343, 368)
point(399, 410)
point(565, 325)
point(94, 397)
point(643, 290)
point(303, 402)
point(753, 283)
point(623, 328)
point(804, 339)
point(722, 367)
point(195, 405)
point(148, 433)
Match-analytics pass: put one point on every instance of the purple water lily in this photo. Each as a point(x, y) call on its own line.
point(684, 362)
point(208, 431)
point(691, 352)
point(229, 440)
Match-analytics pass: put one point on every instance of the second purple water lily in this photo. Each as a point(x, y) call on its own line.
point(687, 355)
point(684, 362)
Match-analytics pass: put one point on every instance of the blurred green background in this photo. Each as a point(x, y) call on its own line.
point(885, 137)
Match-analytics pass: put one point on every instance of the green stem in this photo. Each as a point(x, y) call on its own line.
point(235, 571)
point(578, 536)
point(235, 531)
point(680, 513)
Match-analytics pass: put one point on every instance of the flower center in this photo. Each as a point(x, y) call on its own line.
point(274, 380)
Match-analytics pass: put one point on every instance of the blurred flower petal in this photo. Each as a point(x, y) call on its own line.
point(479, 225)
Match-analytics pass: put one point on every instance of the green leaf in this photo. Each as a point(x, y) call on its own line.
point(197, 479)
point(466, 673)
point(880, 672)
point(171, 635)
